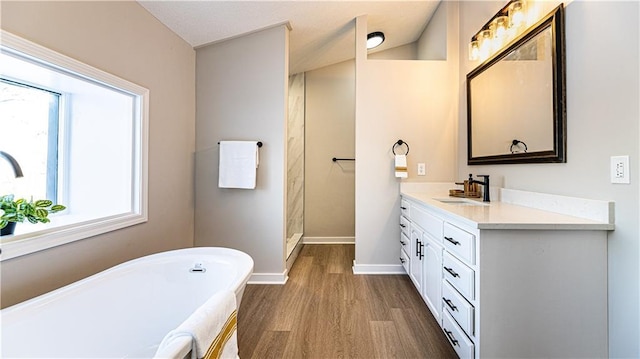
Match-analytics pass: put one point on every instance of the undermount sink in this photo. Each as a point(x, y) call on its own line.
point(461, 202)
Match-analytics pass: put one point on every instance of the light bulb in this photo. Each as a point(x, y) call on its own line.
point(517, 16)
point(485, 43)
point(474, 50)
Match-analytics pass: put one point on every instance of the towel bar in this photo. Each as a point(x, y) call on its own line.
point(259, 143)
point(342, 159)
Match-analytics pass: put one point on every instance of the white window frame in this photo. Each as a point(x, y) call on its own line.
point(22, 244)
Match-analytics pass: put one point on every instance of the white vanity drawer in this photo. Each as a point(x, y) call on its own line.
point(460, 242)
point(405, 207)
point(461, 310)
point(428, 222)
point(459, 275)
point(404, 225)
point(461, 343)
point(405, 243)
point(404, 259)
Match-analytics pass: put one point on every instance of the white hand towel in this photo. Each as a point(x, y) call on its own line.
point(401, 166)
point(212, 328)
point(238, 164)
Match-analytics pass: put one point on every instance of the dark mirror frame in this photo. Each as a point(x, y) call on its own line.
point(555, 20)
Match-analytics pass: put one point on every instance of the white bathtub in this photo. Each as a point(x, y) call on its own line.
point(124, 311)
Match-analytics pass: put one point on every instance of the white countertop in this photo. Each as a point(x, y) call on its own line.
point(503, 215)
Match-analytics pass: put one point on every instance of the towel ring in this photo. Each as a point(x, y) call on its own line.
point(400, 143)
point(516, 143)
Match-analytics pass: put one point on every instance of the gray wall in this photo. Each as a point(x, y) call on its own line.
point(241, 94)
point(602, 120)
point(330, 132)
point(121, 38)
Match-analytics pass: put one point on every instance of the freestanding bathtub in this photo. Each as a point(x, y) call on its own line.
point(124, 311)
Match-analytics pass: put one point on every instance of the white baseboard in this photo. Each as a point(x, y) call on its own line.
point(269, 278)
point(391, 269)
point(329, 240)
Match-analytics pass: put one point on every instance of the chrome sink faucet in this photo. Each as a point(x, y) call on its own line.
point(14, 164)
point(485, 185)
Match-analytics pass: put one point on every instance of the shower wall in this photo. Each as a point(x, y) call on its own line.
point(295, 157)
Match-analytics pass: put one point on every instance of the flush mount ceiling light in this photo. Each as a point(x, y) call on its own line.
point(374, 39)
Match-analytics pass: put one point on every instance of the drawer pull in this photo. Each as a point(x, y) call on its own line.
point(401, 260)
point(455, 243)
point(452, 272)
point(453, 339)
point(403, 242)
point(450, 304)
point(403, 208)
point(403, 225)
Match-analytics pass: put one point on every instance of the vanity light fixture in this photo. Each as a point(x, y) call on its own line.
point(511, 21)
point(375, 39)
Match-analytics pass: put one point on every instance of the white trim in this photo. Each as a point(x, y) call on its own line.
point(329, 240)
point(387, 269)
point(51, 236)
point(269, 278)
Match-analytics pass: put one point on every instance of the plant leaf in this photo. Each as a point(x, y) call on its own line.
point(43, 203)
point(41, 213)
point(57, 208)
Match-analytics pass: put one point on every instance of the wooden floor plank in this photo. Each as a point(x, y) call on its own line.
point(324, 311)
point(271, 345)
point(386, 341)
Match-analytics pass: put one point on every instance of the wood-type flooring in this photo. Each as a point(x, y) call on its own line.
point(325, 311)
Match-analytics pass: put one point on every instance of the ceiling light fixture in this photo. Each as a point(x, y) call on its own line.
point(374, 39)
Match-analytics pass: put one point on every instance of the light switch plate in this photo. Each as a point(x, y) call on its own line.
point(620, 169)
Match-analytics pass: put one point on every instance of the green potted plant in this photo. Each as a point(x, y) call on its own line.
point(14, 211)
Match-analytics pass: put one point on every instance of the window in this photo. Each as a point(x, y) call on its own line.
point(80, 136)
point(34, 114)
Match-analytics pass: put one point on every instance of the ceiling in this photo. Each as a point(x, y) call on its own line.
point(322, 31)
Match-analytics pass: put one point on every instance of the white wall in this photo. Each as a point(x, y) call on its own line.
point(602, 60)
point(415, 101)
point(124, 39)
point(241, 94)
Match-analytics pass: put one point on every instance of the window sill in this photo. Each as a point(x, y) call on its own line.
point(30, 238)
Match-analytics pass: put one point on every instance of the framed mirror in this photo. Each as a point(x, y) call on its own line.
point(516, 103)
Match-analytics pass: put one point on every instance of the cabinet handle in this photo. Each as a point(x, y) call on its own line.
point(403, 208)
point(403, 225)
point(450, 304)
point(421, 250)
point(401, 260)
point(456, 243)
point(451, 271)
point(453, 339)
point(403, 242)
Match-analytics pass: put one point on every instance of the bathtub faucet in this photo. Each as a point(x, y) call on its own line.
point(14, 164)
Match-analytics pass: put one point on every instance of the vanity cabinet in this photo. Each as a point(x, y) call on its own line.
point(425, 253)
point(511, 288)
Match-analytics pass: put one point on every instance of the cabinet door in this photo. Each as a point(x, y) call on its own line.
point(417, 253)
point(432, 276)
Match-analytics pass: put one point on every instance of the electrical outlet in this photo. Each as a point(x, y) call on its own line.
point(422, 169)
point(620, 169)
